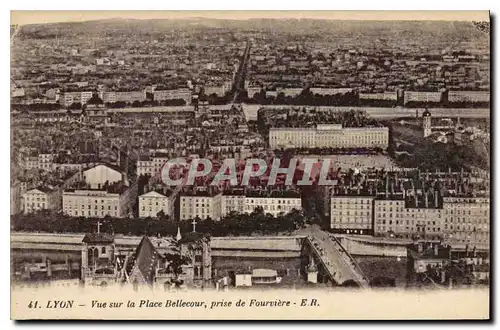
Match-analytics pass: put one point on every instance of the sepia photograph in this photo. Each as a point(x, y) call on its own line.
point(250, 165)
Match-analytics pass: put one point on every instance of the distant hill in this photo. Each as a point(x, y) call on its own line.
point(403, 29)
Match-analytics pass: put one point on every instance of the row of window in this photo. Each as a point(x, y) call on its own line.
point(92, 214)
point(69, 207)
point(367, 213)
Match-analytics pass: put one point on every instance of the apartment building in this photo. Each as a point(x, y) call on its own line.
point(466, 219)
point(351, 214)
point(201, 204)
point(41, 198)
point(273, 202)
point(151, 203)
point(233, 201)
point(151, 165)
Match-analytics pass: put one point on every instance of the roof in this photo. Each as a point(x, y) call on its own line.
point(153, 193)
point(45, 190)
point(191, 237)
point(146, 257)
point(103, 238)
point(256, 243)
point(111, 166)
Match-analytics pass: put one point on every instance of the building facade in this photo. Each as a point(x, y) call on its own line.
point(96, 203)
point(273, 205)
point(351, 214)
point(151, 203)
point(201, 205)
point(329, 136)
point(41, 198)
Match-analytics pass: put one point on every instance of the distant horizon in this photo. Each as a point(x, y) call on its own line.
point(54, 17)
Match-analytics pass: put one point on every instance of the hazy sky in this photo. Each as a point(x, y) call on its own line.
point(33, 17)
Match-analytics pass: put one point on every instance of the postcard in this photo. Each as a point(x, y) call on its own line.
point(250, 165)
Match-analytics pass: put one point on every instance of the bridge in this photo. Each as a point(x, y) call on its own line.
point(336, 261)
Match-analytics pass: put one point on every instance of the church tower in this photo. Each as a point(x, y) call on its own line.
point(426, 123)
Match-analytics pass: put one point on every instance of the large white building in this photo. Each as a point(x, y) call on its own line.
point(151, 203)
point(41, 198)
point(105, 192)
point(96, 203)
point(329, 136)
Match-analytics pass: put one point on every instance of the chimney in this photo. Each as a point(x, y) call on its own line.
point(436, 199)
point(420, 247)
point(426, 199)
point(436, 249)
point(416, 198)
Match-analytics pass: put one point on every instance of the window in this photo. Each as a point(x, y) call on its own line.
point(103, 250)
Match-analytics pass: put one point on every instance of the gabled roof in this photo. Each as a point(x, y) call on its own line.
point(152, 193)
point(45, 190)
point(146, 258)
point(98, 238)
point(111, 166)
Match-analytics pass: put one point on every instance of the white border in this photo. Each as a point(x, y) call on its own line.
point(197, 5)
